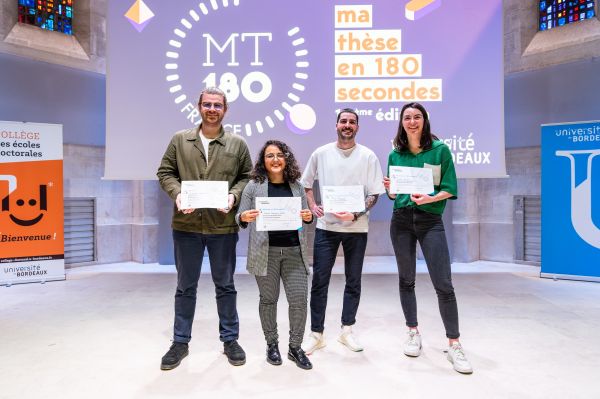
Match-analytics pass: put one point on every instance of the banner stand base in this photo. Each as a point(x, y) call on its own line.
point(553, 276)
point(55, 278)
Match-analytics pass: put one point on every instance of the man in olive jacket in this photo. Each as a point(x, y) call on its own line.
point(205, 152)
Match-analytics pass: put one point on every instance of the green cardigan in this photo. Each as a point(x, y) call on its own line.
point(438, 158)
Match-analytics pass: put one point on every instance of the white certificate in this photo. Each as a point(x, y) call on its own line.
point(343, 198)
point(278, 213)
point(197, 194)
point(407, 180)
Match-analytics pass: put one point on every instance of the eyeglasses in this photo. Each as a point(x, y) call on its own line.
point(272, 157)
point(216, 106)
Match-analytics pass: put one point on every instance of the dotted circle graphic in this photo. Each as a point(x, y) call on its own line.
point(276, 115)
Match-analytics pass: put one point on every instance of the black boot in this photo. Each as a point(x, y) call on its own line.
point(298, 356)
point(173, 357)
point(273, 355)
point(234, 352)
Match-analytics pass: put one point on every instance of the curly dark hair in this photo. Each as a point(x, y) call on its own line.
point(427, 138)
point(291, 172)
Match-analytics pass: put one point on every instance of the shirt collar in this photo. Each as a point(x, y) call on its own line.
point(194, 134)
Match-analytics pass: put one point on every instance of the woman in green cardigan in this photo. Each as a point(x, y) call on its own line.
point(418, 217)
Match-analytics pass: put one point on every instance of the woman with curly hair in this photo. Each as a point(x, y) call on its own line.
point(278, 255)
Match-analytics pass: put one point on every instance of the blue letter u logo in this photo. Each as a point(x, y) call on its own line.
point(581, 194)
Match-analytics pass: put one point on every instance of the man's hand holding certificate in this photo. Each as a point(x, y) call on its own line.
point(197, 194)
point(343, 199)
point(407, 180)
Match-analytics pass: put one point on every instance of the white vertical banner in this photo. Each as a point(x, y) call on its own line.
point(31, 203)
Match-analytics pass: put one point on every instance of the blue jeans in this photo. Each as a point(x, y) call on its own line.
point(189, 251)
point(325, 251)
point(409, 225)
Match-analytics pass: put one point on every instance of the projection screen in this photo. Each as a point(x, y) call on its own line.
point(288, 66)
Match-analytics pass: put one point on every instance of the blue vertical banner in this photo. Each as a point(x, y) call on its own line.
point(571, 201)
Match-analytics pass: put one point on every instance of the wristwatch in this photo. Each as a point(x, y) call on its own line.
point(356, 216)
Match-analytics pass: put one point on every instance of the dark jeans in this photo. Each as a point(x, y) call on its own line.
point(409, 225)
point(189, 251)
point(325, 251)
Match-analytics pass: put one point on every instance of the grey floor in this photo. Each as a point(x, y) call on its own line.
point(101, 334)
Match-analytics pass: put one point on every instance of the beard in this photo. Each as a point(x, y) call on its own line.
point(346, 135)
point(212, 118)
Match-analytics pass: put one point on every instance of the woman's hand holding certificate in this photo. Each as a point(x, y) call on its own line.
point(407, 180)
point(278, 213)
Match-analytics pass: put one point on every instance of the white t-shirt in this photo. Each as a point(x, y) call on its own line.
point(205, 143)
point(333, 166)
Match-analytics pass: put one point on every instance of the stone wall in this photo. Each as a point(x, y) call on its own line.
point(126, 211)
point(482, 217)
point(526, 49)
point(85, 49)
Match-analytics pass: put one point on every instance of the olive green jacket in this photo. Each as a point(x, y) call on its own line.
point(185, 159)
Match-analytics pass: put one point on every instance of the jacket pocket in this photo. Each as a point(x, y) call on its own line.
point(227, 165)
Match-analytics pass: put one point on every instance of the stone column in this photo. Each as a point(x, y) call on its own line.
point(465, 222)
point(144, 231)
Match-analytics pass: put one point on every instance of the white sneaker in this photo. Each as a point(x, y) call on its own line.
point(457, 357)
point(314, 341)
point(412, 346)
point(349, 339)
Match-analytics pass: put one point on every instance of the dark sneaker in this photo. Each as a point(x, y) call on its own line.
point(174, 356)
point(234, 352)
point(298, 356)
point(273, 355)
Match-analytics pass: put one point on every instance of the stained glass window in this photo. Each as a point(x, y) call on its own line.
point(54, 15)
point(555, 13)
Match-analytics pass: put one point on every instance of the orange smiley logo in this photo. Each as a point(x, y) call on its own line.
point(43, 204)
